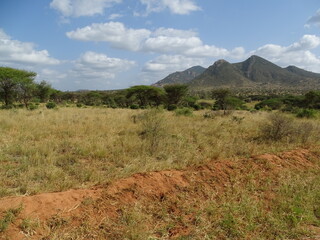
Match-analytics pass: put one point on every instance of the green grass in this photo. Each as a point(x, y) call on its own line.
point(8, 217)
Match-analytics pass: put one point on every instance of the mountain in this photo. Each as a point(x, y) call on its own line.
point(302, 73)
point(255, 72)
point(221, 74)
point(183, 77)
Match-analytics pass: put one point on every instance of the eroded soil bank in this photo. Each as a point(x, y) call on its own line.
point(219, 200)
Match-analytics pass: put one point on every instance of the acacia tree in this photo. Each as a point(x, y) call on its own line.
point(26, 90)
point(146, 95)
point(43, 91)
point(15, 82)
point(175, 93)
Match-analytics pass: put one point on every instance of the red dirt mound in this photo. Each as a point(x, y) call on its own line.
point(214, 176)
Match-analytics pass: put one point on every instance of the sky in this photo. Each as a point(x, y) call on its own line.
point(115, 44)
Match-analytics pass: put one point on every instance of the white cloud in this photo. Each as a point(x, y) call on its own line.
point(77, 8)
point(175, 6)
point(164, 44)
point(297, 54)
point(93, 65)
point(162, 40)
point(115, 16)
point(307, 42)
point(207, 51)
point(113, 32)
point(314, 20)
point(171, 62)
point(50, 75)
point(23, 53)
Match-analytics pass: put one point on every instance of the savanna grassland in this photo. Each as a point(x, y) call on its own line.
point(53, 150)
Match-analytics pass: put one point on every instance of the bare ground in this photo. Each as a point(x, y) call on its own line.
point(63, 211)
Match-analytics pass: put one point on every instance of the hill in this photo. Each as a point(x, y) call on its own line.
point(220, 74)
point(183, 77)
point(255, 72)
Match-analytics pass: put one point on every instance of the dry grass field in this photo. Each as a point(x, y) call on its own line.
point(45, 151)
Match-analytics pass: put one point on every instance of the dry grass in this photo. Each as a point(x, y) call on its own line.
point(54, 150)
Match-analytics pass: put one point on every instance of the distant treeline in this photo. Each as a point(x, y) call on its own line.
point(18, 89)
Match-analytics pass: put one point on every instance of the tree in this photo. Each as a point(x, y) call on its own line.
point(175, 93)
point(225, 101)
point(15, 82)
point(312, 100)
point(26, 89)
point(93, 98)
point(220, 96)
point(43, 91)
point(146, 95)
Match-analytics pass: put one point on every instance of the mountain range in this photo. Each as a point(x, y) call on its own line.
point(255, 72)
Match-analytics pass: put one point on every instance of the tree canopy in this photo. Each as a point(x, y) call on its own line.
point(15, 83)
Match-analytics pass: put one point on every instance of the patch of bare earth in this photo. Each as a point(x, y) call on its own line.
point(97, 205)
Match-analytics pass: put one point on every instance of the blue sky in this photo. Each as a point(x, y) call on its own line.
point(114, 44)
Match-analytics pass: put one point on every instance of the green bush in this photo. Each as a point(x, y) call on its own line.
point(33, 107)
point(184, 112)
point(273, 103)
point(306, 113)
point(134, 106)
point(172, 107)
point(51, 105)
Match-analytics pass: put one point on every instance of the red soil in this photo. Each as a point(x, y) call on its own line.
point(148, 187)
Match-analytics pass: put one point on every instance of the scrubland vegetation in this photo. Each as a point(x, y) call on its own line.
point(53, 141)
point(54, 150)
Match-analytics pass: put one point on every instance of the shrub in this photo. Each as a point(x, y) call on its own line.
point(273, 103)
point(206, 105)
point(184, 112)
point(172, 107)
point(152, 128)
point(134, 106)
point(306, 113)
point(51, 105)
point(33, 107)
point(79, 105)
point(277, 128)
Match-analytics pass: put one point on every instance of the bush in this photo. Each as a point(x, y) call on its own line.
point(33, 107)
point(306, 113)
point(79, 105)
point(152, 128)
point(277, 128)
point(134, 106)
point(184, 112)
point(172, 107)
point(51, 105)
point(273, 103)
point(206, 105)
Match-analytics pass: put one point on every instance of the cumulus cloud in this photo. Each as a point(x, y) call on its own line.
point(50, 75)
point(162, 40)
point(175, 6)
point(94, 65)
point(24, 53)
point(171, 62)
point(113, 32)
point(77, 8)
point(298, 53)
point(314, 20)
